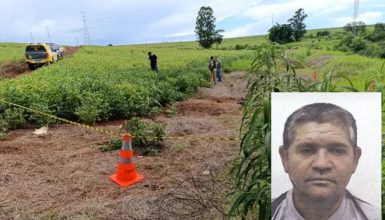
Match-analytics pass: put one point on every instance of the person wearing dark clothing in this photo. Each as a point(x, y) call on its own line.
point(218, 63)
point(153, 61)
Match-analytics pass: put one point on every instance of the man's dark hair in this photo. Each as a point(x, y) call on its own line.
point(320, 113)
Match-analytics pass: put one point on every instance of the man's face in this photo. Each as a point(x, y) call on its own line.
point(320, 160)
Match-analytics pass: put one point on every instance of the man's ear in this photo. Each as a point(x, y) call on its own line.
point(357, 155)
point(284, 153)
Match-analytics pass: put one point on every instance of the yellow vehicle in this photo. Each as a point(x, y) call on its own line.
point(39, 54)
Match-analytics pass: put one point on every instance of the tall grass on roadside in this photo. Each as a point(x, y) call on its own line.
point(270, 71)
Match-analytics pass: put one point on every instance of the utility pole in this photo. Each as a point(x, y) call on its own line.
point(49, 36)
point(87, 37)
point(30, 34)
point(355, 14)
point(272, 19)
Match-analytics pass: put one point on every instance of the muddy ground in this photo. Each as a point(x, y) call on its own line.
point(64, 175)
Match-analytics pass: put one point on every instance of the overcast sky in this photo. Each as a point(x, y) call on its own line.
point(120, 22)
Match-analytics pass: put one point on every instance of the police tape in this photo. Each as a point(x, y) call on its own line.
point(64, 120)
point(117, 133)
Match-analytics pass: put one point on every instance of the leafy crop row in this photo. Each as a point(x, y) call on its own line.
point(102, 83)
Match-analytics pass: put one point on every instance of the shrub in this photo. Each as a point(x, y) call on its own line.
point(358, 44)
point(14, 117)
point(92, 108)
point(323, 33)
point(281, 33)
point(148, 138)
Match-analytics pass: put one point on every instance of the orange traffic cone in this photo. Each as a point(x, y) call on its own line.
point(126, 174)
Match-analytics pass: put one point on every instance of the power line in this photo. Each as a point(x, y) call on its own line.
point(87, 37)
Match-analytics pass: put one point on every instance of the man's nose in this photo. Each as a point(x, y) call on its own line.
point(322, 161)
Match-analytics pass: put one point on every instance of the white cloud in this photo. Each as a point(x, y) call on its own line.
point(370, 17)
point(246, 30)
point(341, 21)
point(129, 21)
point(181, 34)
point(283, 11)
point(367, 18)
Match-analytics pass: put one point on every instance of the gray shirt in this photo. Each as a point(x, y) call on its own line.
point(347, 210)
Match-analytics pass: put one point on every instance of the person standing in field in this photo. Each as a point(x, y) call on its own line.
point(153, 61)
point(218, 63)
point(212, 68)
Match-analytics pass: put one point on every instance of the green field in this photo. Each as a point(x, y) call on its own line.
point(100, 83)
point(11, 51)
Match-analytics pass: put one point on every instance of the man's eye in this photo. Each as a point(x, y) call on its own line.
point(338, 151)
point(307, 150)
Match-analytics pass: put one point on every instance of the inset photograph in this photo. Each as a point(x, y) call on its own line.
point(326, 156)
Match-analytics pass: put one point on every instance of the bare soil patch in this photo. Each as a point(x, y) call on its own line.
point(318, 62)
point(64, 175)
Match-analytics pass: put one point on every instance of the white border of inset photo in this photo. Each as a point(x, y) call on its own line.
point(365, 183)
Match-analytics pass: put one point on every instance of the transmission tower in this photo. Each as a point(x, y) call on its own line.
point(87, 37)
point(49, 36)
point(355, 13)
point(30, 34)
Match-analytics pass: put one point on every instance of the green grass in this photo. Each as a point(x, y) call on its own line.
point(11, 51)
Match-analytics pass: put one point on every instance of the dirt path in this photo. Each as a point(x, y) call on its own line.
point(63, 174)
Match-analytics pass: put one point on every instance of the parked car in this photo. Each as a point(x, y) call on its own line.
point(57, 49)
point(39, 54)
point(61, 51)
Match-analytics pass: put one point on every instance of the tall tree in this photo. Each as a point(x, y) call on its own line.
point(205, 28)
point(281, 33)
point(296, 23)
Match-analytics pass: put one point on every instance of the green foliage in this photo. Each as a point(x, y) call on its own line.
point(172, 111)
point(102, 83)
point(91, 108)
point(354, 44)
point(113, 144)
point(13, 117)
point(38, 119)
point(281, 33)
point(297, 24)
point(11, 52)
point(147, 137)
point(205, 28)
point(358, 44)
point(378, 33)
point(270, 71)
point(355, 27)
point(323, 33)
point(3, 128)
